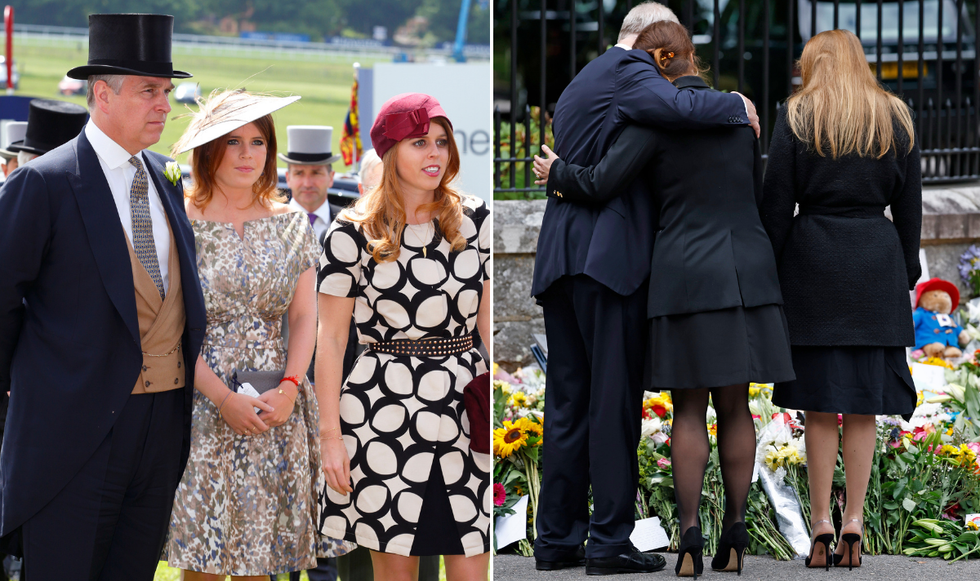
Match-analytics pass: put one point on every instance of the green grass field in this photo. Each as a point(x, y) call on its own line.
point(324, 86)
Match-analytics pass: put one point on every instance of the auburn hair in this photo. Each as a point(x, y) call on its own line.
point(671, 48)
point(841, 106)
point(205, 159)
point(381, 211)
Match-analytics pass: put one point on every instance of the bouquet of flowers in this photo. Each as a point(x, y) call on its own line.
point(517, 439)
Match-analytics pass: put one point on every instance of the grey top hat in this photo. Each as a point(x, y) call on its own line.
point(309, 145)
point(13, 131)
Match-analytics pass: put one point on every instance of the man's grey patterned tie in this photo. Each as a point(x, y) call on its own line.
point(139, 203)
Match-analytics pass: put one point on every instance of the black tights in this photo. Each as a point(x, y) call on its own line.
point(689, 450)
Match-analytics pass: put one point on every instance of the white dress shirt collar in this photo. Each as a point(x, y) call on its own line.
point(323, 212)
point(108, 150)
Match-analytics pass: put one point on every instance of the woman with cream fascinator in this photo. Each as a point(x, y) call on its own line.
point(246, 504)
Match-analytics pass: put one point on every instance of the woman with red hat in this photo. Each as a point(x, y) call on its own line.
point(409, 262)
point(843, 149)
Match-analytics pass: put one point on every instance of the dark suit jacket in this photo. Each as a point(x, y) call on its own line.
point(69, 336)
point(711, 251)
point(613, 244)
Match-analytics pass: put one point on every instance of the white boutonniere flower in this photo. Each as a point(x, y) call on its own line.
point(172, 172)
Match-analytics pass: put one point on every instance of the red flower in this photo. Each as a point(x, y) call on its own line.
point(660, 410)
point(499, 494)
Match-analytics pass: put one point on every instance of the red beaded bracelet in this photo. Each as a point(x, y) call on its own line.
point(292, 378)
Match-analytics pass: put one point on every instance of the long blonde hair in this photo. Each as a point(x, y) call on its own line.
point(382, 213)
point(841, 106)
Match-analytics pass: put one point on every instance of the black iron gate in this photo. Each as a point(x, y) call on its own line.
point(923, 50)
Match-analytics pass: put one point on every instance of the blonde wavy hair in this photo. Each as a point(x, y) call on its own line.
point(841, 106)
point(381, 212)
point(205, 159)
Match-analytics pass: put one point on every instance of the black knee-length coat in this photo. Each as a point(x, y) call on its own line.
point(844, 268)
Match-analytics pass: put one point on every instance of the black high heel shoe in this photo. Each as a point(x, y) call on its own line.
point(689, 561)
point(851, 539)
point(731, 549)
point(825, 540)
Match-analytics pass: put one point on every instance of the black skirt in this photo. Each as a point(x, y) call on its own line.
point(849, 380)
point(436, 533)
point(719, 348)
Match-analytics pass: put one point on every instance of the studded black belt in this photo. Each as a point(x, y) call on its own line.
point(424, 347)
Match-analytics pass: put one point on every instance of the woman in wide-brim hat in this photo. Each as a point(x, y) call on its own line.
point(409, 262)
point(246, 505)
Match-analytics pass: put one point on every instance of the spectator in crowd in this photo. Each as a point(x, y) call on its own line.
point(12, 131)
point(309, 174)
point(50, 124)
point(371, 170)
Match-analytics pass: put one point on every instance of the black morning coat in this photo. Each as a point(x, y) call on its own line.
point(844, 268)
point(69, 334)
point(612, 244)
point(711, 251)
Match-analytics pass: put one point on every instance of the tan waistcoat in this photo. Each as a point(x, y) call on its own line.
point(161, 326)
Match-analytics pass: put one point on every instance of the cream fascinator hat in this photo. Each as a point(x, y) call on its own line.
point(223, 112)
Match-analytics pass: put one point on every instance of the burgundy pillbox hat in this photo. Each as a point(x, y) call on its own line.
point(403, 116)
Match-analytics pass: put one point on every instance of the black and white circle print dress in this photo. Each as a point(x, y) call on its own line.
point(399, 414)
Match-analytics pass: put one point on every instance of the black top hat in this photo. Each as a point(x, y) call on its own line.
point(129, 44)
point(50, 124)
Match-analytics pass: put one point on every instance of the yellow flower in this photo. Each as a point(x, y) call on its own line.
point(503, 386)
point(662, 399)
point(518, 399)
point(948, 450)
point(938, 361)
point(495, 368)
point(918, 399)
point(972, 526)
point(753, 390)
point(508, 439)
point(713, 430)
point(530, 427)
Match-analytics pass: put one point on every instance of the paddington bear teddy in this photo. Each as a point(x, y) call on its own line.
point(936, 333)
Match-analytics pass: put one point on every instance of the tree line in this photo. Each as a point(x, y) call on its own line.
point(320, 19)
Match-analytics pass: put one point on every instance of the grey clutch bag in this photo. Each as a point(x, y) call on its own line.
point(262, 381)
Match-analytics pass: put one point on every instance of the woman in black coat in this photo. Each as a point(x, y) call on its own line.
point(714, 310)
point(843, 149)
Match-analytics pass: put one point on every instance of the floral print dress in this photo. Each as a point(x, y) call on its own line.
point(246, 505)
point(399, 414)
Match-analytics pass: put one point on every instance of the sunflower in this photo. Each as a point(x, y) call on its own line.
point(531, 427)
point(508, 439)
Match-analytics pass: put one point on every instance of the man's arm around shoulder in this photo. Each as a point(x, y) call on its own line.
point(649, 99)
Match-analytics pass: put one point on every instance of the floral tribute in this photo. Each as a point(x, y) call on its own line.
point(925, 476)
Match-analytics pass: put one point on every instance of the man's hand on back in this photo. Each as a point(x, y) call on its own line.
point(750, 111)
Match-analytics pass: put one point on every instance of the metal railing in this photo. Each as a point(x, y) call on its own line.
point(923, 50)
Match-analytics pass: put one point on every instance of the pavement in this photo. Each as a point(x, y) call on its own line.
point(889, 567)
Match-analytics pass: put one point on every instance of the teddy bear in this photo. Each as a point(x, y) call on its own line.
point(936, 333)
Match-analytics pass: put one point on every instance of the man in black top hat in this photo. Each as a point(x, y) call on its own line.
point(50, 124)
point(95, 251)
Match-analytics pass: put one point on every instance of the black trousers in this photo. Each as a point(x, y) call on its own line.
point(110, 522)
point(593, 402)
